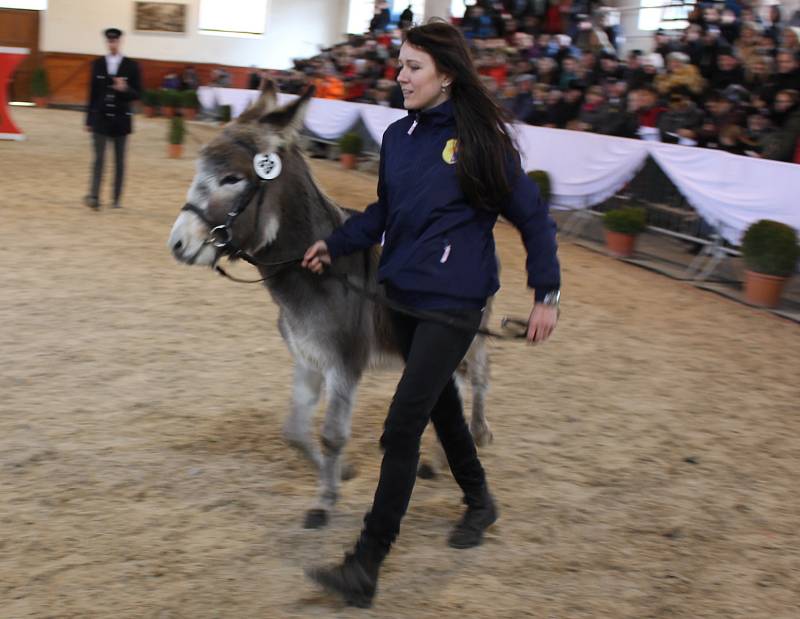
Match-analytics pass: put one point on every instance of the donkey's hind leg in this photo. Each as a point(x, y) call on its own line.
point(305, 397)
point(478, 376)
point(340, 393)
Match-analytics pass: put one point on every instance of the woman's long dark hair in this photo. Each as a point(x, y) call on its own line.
point(484, 144)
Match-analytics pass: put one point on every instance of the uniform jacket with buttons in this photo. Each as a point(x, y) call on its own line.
point(438, 250)
point(109, 111)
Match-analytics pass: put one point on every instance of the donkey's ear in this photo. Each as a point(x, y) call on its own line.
point(266, 102)
point(288, 120)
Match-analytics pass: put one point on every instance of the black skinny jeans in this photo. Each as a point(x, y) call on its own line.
point(426, 391)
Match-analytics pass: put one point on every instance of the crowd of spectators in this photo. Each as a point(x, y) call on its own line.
point(730, 80)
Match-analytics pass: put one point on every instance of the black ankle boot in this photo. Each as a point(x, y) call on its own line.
point(481, 513)
point(356, 579)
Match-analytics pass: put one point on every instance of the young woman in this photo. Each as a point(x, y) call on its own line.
point(447, 170)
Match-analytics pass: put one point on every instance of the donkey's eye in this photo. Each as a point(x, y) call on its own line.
point(230, 179)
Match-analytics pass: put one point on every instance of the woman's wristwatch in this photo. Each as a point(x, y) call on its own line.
point(552, 298)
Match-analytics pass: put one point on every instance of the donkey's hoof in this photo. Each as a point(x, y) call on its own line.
point(349, 471)
point(315, 519)
point(482, 437)
point(426, 471)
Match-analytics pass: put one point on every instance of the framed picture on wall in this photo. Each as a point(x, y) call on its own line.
point(160, 17)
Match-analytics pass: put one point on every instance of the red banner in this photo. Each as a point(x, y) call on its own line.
point(10, 57)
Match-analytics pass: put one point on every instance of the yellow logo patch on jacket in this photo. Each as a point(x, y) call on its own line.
point(450, 152)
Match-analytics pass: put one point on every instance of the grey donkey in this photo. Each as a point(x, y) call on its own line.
point(333, 334)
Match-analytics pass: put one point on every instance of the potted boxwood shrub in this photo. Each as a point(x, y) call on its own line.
point(40, 87)
point(175, 137)
point(770, 251)
point(621, 227)
point(150, 102)
point(189, 104)
point(350, 145)
point(542, 179)
point(224, 112)
point(169, 100)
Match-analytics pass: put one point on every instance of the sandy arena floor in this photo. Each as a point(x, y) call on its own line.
point(646, 460)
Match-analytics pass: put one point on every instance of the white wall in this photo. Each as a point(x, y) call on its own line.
point(295, 28)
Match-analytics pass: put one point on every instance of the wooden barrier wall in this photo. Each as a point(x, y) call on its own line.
point(69, 74)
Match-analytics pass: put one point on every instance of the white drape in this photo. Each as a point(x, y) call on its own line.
point(729, 191)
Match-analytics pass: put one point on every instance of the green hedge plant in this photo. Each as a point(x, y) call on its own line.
point(771, 248)
point(350, 144)
point(150, 98)
point(626, 220)
point(542, 179)
point(189, 99)
point(177, 130)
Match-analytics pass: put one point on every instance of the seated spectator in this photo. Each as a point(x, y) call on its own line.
point(681, 122)
point(634, 73)
point(592, 112)
point(723, 113)
point(171, 81)
point(569, 72)
point(788, 76)
point(382, 17)
point(758, 134)
point(647, 107)
point(618, 120)
point(253, 78)
point(786, 119)
point(521, 104)
point(758, 73)
point(547, 71)
point(569, 106)
point(729, 71)
point(220, 78)
point(189, 78)
point(663, 44)
point(680, 73)
point(328, 85)
point(610, 68)
point(539, 114)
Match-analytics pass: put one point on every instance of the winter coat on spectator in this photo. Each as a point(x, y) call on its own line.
point(722, 79)
point(616, 120)
point(564, 112)
point(785, 81)
point(649, 117)
point(593, 114)
point(637, 78)
point(685, 75)
point(783, 144)
point(672, 120)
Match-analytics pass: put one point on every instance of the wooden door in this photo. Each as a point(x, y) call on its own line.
point(20, 28)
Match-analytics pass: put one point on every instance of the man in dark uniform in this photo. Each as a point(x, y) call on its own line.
point(114, 84)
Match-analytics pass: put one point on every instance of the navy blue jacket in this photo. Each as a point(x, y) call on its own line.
point(439, 251)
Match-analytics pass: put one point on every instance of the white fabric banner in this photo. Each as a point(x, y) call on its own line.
point(585, 168)
point(729, 191)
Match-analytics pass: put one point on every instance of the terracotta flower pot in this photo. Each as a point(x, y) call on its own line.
point(149, 111)
point(175, 151)
point(619, 244)
point(763, 290)
point(188, 113)
point(168, 112)
point(41, 101)
point(348, 161)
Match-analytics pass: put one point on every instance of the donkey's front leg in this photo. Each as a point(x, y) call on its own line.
point(305, 397)
point(335, 433)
